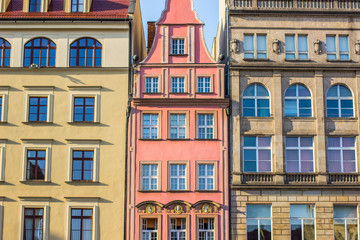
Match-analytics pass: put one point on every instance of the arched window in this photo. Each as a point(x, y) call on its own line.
point(5, 48)
point(339, 102)
point(256, 101)
point(40, 51)
point(85, 52)
point(298, 101)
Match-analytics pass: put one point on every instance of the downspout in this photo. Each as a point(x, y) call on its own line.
point(128, 110)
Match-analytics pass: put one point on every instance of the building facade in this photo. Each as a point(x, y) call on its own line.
point(178, 157)
point(294, 83)
point(64, 73)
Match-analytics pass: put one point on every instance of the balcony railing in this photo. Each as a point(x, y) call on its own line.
point(297, 4)
point(341, 178)
point(300, 178)
point(261, 178)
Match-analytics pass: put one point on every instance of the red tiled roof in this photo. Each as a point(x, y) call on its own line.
point(100, 9)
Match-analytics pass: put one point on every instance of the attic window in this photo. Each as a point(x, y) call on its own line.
point(77, 5)
point(34, 5)
point(178, 46)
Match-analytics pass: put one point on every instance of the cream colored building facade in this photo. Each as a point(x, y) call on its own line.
point(103, 135)
point(294, 45)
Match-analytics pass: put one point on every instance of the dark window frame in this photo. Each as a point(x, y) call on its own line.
point(33, 217)
point(36, 4)
point(84, 106)
point(77, 46)
point(78, 6)
point(37, 159)
point(38, 106)
point(83, 159)
point(82, 217)
point(30, 45)
point(4, 48)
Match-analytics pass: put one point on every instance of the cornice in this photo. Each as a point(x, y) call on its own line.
point(221, 102)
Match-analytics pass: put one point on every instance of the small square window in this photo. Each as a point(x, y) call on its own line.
point(178, 46)
point(151, 85)
point(149, 177)
point(85, 103)
point(204, 85)
point(177, 84)
point(84, 109)
point(38, 109)
point(150, 126)
point(77, 5)
point(34, 5)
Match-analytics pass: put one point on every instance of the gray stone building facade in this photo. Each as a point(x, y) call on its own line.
point(295, 94)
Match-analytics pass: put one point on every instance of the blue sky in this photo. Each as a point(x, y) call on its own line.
point(208, 12)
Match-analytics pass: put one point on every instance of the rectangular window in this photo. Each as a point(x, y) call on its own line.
point(178, 229)
point(345, 223)
point(81, 224)
point(177, 176)
point(302, 222)
point(341, 154)
point(84, 109)
point(303, 47)
point(261, 48)
point(150, 177)
point(150, 126)
point(206, 177)
point(258, 222)
point(290, 47)
point(257, 154)
point(331, 47)
point(205, 126)
point(34, 5)
point(178, 46)
point(204, 85)
point(149, 230)
point(177, 85)
point(82, 165)
point(178, 126)
point(344, 47)
point(38, 109)
point(77, 5)
point(206, 228)
point(34, 223)
point(151, 85)
point(299, 154)
point(1, 108)
point(35, 167)
point(249, 46)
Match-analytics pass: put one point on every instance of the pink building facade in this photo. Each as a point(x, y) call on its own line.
point(178, 143)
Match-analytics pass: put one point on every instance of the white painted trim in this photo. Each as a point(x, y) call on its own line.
point(2, 162)
point(85, 92)
point(37, 92)
point(4, 93)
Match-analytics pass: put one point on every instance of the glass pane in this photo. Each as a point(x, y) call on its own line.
point(345, 212)
point(302, 211)
point(343, 44)
point(290, 43)
point(250, 90)
point(261, 91)
point(249, 43)
point(261, 43)
point(330, 44)
point(258, 211)
point(302, 43)
point(344, 91)
point(249, 141)
point(291, 91)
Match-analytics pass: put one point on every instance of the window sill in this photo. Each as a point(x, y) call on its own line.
point(149, 191)
point(206, 139)
point(178, 55)
point(259, 118)
point(341, 119)
point(204, 93)
point(150, 139)
point(297, 60)
point(83, 123)
point(82, 182)
point(85, 66)
point(301, 118)
point(35, 182)
point(3, 123)
point(338, 60)
point(178, 191)
point(207, 190)
point(152, 93)
point(256, 60)
point(178, 139)
point(179, 93)
point(37, 123)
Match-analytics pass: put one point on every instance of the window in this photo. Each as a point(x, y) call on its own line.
point(84, 109)
point(178, 46)
point(302, 47)
point(81, 223)
point(302, 222)
point(256, 101)
point(299, 154)
point(257, 154)
point(38, 109)
point(178, 177)
point(297, 101)
point(34, 5)
point(82, 165)
point(178, 85)
point(40, 51)
point(34, 223)
point(5, 49)
point(339, 102)
point(177, 126)
point(178, 229)
point(206, 228)
point(149, 230)
point(205, 126)
point(85, 52)
point(152, 85)
point(341, 154)
point(150, 126)
point(1, 108)
point(258, 222)
point(261, 46)
point(345, 223)
point(331, 48)
point(150, 177)
point(204, 85)
point(77, 5)
point(35, 169)
point(206, 177)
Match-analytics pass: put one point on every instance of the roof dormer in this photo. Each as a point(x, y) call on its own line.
point(36, 6)
point(77, 6)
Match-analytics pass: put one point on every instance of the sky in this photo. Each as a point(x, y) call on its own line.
point(207, 10)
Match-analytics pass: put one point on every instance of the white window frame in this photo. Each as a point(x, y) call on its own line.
point(35, 202)
point(89, 91)
point(37, 144)
point(177, 50)
point(204, 88)
point(88, 203)
point(299, 148)
point(178, 126)
point(257, 148)
point(178, 177)
point(177, 89)
point(297, 98)
point(2, 161)
point(258, 219)
point(341, 149)
point(338, 99)
point(40, 91)
point(158, 177)
point(256, 98)
point(154, 86)
point(296, 51)
point(214, 177)
point(4, 93)
point(346, 219)
point(92, 145)
point(337, 47)
point(178, 231)
point(157, 127)
point(158, 230)
point(214, 231)
point(255, 51)
point(213, 127)
point(302, 222)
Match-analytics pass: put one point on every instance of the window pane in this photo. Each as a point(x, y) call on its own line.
point(301, 211)
point(258, 211)
point(290, 43)
point(249, 43)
